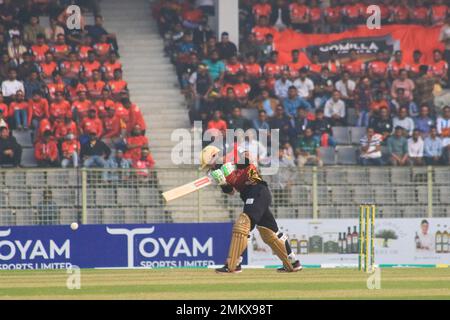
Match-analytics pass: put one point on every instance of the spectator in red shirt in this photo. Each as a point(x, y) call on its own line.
point(3, 120)
point(377, 69)
point(272, 67)
point(46, 151)
point(241, 88)
point(113, 129)
point(117, 85)
point(71, 67)
point(439, 68)
point(333, 64)
point(92, 124)
point(420, 13)
point(102, 48)
point(217, 123)
point(401, 12)
point(262, 29)
point(3, 106)
point(252, 69)
point(414, 68)
point(121, 111)
point(37, 110)
point(144, 164)
point(103, 103)
point(48, 67)
point(44, 125)
point(85, 47)
point(333, 17)
point(81, 107)
point(110, 66)
point(63, 126)
point(439, 12)
point(91, 64)
point(354, 66)
point(397, 64)
point(261, 8)
point(73, 89)
point(95, 85)
point(40, 48)
point(19, 108)
point(315, 67)
point(298, 60)
point(134, 143)
point(59, 107)
point(315, 17)
point(136, 118)
point(352, 13)
point(60, 48)
point(299, 16)
point(70, 150)
point(233, 66)
point(55, 86)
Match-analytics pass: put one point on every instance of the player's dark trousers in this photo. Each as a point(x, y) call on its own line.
point(257, 200)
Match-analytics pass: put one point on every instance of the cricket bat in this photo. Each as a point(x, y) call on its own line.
point(187, 189)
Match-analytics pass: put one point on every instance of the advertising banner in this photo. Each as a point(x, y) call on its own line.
point(390, 37)
point(367, 48)
point(114, 246)
point(335, 242)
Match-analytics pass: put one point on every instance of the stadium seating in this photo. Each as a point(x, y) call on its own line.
point(328, 155)
point(346, 155)
point(359, 113)
point(342, 135)
point(68, 71)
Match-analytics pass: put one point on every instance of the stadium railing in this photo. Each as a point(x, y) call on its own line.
point(95, 196)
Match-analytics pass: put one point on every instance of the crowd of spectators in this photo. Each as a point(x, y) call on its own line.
point(64, 88)
point(305, 98)
point(332, 16)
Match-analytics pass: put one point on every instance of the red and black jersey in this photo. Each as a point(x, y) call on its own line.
point(244, 176)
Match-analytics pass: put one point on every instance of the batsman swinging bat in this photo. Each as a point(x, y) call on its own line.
point(187, 189)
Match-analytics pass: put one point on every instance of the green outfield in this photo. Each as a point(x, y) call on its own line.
point(405, 283)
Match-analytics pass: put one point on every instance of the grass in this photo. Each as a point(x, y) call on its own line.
point(205, 284)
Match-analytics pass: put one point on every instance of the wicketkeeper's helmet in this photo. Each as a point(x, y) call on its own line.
point(208, 156)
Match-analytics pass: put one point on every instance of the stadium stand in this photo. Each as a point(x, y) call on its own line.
point(350, 93)
point(63, 86)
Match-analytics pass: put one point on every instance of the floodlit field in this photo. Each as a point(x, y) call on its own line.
point(205, 284)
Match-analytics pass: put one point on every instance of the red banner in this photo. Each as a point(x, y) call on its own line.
point(408, 37)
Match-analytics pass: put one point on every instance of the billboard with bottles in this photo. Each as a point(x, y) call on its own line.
point(335, 242)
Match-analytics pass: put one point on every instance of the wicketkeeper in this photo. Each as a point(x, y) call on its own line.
point(244, 177)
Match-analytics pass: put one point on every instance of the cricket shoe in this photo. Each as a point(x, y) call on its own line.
point(297, 266)
point(225, 269)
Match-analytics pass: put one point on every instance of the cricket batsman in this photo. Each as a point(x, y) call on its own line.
point(243, 176)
